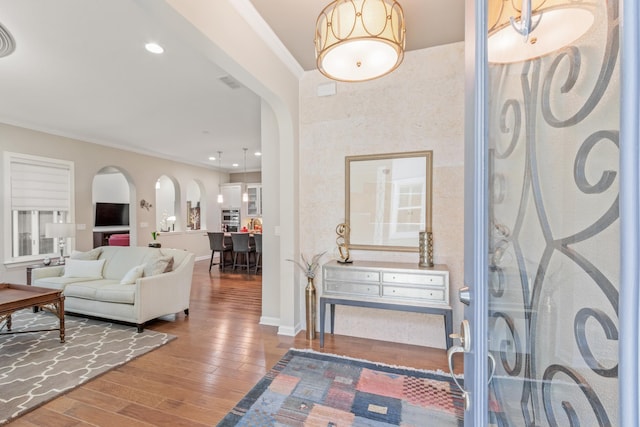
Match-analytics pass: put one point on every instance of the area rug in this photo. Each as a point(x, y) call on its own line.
point(307, 388)
point(36, 367)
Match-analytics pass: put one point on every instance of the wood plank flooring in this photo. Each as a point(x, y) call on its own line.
point(221, 352)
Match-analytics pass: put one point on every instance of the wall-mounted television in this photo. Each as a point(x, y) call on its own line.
point(112, 214)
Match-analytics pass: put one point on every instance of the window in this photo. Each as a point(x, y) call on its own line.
point(38, 191)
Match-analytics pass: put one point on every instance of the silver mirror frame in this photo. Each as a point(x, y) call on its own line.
point(428, 200)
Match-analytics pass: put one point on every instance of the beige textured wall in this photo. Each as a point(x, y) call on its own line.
point(143, 172)
point(417, 107)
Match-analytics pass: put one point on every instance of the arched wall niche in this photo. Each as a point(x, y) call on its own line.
point(168, 214)
point(196, 205)
point(113, 184)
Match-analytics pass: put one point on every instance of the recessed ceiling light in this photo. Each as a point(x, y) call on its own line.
point(257, 153)
point(212, 158)
point(235, 165)
point(154, 48)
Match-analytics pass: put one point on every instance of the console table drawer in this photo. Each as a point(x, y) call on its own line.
point(434, 295)
point(352, 288)
point(352, 275)
point(413, 279)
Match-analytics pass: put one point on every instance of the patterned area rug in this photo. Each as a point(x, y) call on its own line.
point(313, 389)
point(36, 367)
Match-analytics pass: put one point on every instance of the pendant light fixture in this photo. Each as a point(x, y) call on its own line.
point(220, 196)
point(358, 40)
point(245, 195)
point(520, 30)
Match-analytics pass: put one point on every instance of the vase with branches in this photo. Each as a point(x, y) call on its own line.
point(309, 268)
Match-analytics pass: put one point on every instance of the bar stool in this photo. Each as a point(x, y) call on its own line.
point(217, 244)
point(242, 246)
point(258, 239)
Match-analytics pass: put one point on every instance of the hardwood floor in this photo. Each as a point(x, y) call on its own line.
point(221, 352)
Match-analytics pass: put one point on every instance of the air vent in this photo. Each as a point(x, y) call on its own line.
point(231, 82)
point(7, 44)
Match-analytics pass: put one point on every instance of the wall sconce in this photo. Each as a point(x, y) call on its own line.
point(144, 204)
point(519, 33)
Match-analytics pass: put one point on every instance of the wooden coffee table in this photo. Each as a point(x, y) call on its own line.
point(18, 297)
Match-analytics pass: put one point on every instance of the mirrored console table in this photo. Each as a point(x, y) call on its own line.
point(389, 286)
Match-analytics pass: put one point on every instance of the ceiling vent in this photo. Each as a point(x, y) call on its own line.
point(230, 81)
point(7, 43)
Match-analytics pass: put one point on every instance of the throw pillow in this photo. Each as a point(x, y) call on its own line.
point(132, 275)
point(93, 254)
point(158, 265)
point(84, 268)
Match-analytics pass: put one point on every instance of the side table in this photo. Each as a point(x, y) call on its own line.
point(30, 269)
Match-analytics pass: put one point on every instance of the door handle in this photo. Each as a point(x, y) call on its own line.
point(464, 295)
point(465, 346)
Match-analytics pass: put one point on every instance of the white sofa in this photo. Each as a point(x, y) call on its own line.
point(111, 287)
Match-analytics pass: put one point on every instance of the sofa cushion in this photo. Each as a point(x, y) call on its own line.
point(158, 265)
point(93, 254)
point(57, 282)
point(121, 259)
point(132, 275)
point(102, 290)
point(83, 268)
point(178, 256)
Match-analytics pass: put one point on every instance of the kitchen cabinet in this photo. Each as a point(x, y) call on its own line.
point(254, 205)
point(232, 195)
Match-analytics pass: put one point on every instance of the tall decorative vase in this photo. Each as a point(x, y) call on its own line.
point(425, 247)
point(310, 303)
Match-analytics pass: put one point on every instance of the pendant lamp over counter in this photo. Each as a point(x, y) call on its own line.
point(220, 196)
point(245, 195)
point(359, 40)
point(520, 30)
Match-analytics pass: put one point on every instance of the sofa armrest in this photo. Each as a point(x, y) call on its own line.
point(164, 293)
point(41, 272)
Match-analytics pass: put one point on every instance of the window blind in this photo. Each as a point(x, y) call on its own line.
point(39, 185)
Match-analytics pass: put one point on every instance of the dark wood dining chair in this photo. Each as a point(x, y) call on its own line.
point(242, 246)
point(217, 244)
point(258, 239)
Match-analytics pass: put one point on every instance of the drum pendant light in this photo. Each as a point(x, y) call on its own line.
point(520, 30)
point(359, 40)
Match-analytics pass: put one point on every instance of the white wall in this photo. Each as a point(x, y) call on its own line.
point(417, 107)
point(141, 171)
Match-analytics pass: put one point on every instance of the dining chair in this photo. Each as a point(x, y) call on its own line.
point(242, 246)
point(217, 244)
point(257, 237)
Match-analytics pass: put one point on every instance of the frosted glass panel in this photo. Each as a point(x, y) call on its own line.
point(554, 244)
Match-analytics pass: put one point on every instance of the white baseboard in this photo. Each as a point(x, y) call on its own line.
point(290, 331)
point(269, 321)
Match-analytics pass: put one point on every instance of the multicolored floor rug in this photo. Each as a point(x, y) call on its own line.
point(36, 367)
point(306, 388)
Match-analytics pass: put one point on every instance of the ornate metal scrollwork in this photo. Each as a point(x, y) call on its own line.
point(559, 107)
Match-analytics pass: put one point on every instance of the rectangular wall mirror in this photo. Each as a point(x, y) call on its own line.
point(388, 200)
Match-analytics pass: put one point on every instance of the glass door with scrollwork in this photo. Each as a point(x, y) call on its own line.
point(554, 235)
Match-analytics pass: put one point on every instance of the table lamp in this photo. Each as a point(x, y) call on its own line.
point(60, 231)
